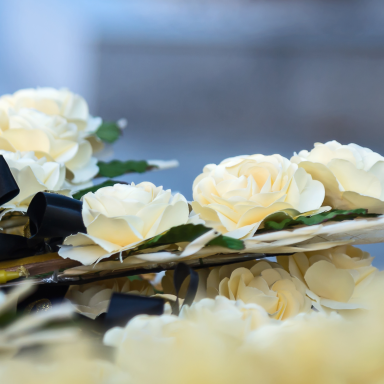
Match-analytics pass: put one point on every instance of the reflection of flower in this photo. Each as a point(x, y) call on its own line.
point(120, 217)
point(353, 176)
point(53, 101)
point(93, 299)
point(235, 196)
point(32, 175)
point(265, 284)
point(336, 278)
point(52, 136)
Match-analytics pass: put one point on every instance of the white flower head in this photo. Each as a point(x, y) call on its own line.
point(353, 176)
point(263, 283)
point(335, 278)
point(52, 137)
point(32, 175)
point(93, 299)
point(235, 196)
point(119, 218)
point(51, 101)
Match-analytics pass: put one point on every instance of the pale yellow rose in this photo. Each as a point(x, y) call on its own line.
point(91, 300)
point(353, 176)
point(266, 284)
point(336, 278)
point(51, 101)
point(202, 345)
point(235, 196)
point(119, 218)
point(51, 136)
point(32, 175)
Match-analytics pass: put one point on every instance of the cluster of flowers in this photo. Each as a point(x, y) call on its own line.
point(234, 197)
point(284, 321)
point(47, 137)
point(337, 279)
point(220, 341)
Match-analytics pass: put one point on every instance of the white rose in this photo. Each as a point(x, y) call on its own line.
point(235, 196)
point(32, 175)
point(210, 334)
point(52, 136)
point(353, 176)
point(336, 278)
point(53, 101)
point(120, 217)
point(93, 299)
point(265, 284)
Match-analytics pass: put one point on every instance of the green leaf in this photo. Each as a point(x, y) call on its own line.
point(108, 183)
point(117, 168)
point(333, 215)
point(188, 233)
point(133, 278)
point(109, 132)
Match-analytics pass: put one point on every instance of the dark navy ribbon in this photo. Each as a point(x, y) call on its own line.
point(54, 216)
point(182, 271)
point(8, 186)
point(123, 307)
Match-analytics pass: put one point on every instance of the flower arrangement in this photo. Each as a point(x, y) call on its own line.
point(219, 310)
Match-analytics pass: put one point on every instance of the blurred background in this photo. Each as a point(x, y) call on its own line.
point(200, 81)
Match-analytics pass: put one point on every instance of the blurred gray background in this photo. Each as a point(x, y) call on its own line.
point(200, 81)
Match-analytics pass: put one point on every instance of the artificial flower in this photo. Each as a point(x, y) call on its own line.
point(266, 284)
point(51, 101)
point(335, 278)
point(91, 300)
point(193, 346)
point(119, 218)
point(353, 176)
point(50, 136)
point(32, 175)
point(235, 196)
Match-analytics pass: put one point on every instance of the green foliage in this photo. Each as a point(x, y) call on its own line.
point(116, 168)
point(108, 132)
point(188, 233)
point(108, 183)
point(333, 215)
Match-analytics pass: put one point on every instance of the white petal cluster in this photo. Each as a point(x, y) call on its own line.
point(52, 123)
point(204, 334)
point(263, 283)
point(51, 101)
point(120, 217)
point(353, 176)
point(266, 284)
point(91, 300)
point(235, 196)
point(335, 278)
point(32, 175)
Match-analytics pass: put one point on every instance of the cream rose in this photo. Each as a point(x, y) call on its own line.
point(335, 278)
point(52, 136)
point(91, 300)
point(209, 334)
point(51, 101)
point(120, 217)
point(265, 284)
point(235, 196)
point(32, 175)
point(353, 176)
